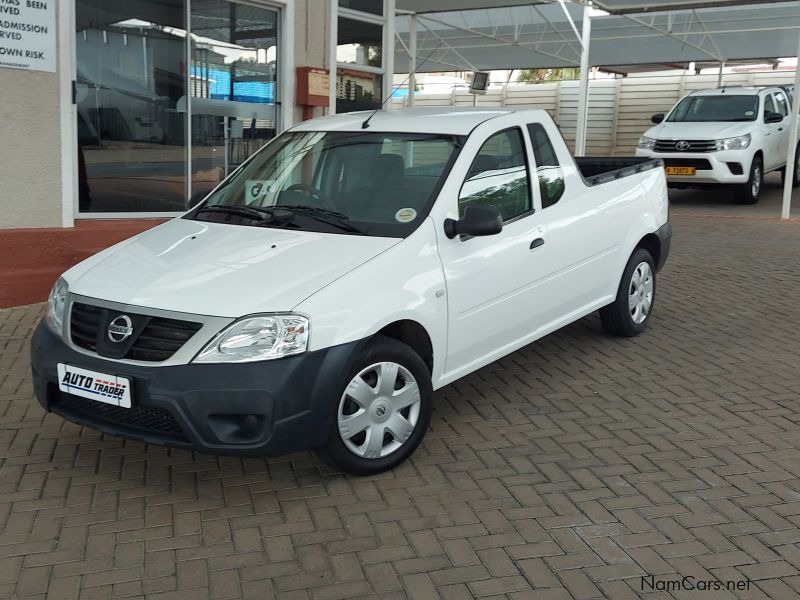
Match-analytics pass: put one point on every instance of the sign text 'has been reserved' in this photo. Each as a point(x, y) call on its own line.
point(28, 34)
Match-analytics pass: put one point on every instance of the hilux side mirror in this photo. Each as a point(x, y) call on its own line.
point(657, 118)
point(477, 220)
point(772, 117)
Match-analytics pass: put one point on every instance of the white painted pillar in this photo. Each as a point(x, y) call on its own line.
point(790, 153)
point(388, 52)
point(412, 58)
point(333, 31)
point(583, 88)
point(719, 75)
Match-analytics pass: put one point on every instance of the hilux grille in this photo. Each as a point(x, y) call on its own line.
point(154, 339)
point(694, 146)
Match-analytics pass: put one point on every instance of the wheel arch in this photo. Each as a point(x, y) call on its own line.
point(413, 334)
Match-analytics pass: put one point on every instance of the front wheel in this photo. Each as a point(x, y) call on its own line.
point(383, 410)
point(748, 193)
point(630, 311)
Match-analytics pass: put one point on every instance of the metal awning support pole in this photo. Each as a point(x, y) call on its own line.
point(388, 52)
point(583, 88)
point(333, 32)
point(719, 76)
point(412, 58)
point(791, 151)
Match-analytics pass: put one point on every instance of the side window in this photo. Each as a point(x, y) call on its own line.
point(548, 169)
point(769, 105)
point(498, 176)
point(780, 100)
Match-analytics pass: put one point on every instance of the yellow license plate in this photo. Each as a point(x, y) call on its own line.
point(680, 170)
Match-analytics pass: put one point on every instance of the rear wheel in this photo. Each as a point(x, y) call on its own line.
point(748, 193)
point(794, 173)
point(630, 311)
point(383, 409)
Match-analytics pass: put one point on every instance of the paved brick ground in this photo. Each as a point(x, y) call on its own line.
point(568, 470)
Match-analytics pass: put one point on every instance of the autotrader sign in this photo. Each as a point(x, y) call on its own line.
point(28, 34)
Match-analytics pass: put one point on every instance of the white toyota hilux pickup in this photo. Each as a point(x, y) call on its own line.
point(728, 137)
point(318, 296)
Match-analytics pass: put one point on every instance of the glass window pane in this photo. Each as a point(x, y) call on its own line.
point(130, 79)
point(374, 7)
point(234, 87)
point(357, 90)
point(359, 43)
point(498, 177)
point(769, 106)
point(548, 169)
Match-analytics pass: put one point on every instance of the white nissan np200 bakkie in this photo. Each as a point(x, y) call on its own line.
point(318, 296)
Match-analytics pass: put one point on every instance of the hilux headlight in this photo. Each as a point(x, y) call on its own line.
point(646, 143)
point(261, 337)
point(57, 306)
point(734, 143)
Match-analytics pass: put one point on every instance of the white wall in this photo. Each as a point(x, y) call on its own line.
point(619, 109)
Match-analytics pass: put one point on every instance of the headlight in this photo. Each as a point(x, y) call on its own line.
point(56, 306)
point(263, 337)
point(735, 143)
point(646, 143)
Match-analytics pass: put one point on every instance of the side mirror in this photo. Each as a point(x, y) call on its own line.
point(197, 198)
point(657, 118)
point(477, 221)
point(772, 117)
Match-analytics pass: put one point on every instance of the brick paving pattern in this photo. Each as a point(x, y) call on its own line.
point(569, 469)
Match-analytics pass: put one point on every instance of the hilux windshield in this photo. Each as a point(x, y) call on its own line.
point(715, 109)
point(358, 183)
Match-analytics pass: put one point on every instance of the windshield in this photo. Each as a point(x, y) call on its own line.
point(364, 183)
point(715, 109)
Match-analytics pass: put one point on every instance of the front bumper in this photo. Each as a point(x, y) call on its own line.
point(711, 167)
point(264, 408)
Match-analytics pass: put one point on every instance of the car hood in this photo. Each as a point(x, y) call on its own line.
point(221, 270)
point(699, 131)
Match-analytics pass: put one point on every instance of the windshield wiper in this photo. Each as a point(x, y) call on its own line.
point(241, 210)
point(323, 215)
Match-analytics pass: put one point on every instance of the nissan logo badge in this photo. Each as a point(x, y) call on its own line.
point(120, 329)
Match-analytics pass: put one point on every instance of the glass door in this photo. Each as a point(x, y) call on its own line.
point(233, 80)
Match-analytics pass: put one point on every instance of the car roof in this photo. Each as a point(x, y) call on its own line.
point(442, 120)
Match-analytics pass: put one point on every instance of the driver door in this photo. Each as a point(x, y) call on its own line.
point(494, 283)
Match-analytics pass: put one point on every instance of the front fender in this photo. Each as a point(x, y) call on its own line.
point(404, 283)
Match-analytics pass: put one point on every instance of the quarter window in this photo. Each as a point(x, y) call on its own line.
point(498, 177)
point(548, 169)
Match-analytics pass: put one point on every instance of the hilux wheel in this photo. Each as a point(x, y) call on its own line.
point(630, 311)
point(382, 411)
point(748, 193)
point(794, 173)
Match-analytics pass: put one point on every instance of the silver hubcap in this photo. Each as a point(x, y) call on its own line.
point(640, 295)
point(379, 410)
point(756, 182)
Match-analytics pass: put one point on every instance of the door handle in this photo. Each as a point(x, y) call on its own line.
point(536, 243)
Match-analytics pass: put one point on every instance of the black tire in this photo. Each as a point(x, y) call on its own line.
point(795, 173)
point(380, 350)
point(745, 193)
point(617, 317)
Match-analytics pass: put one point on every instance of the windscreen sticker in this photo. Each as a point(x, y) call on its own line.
point(748, 113)
point(405, 215)
point(256, 188)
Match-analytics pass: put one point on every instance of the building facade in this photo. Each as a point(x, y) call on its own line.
point(131, 109)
